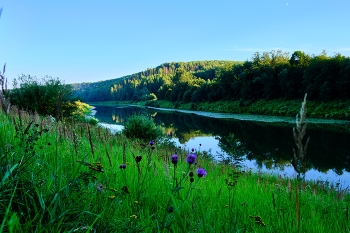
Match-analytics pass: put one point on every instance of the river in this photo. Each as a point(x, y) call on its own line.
point(260, 143)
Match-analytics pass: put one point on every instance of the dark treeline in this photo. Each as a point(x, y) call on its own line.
point(270, 75)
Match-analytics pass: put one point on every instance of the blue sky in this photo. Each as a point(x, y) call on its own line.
point(88, 41)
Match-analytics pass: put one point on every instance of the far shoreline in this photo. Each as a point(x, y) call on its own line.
point(336, 112)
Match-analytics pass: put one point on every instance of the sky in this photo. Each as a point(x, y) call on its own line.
point(89, 41)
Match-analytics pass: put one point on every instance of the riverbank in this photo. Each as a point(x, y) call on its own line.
point(213, 131)
point(71, 179)
point(331, 110)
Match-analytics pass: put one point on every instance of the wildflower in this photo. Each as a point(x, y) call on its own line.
point(174, 159)
point(200, 144)
point(191, 174)
point(122, 166)
point(201, 172)
point(170, 209)
point(138, 158)
point(133, 216)
point(192, 150)
point(191, 158)
point(151, 143)
point(99, 187)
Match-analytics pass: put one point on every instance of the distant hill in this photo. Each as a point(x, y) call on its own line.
point(133, 87)
point(270, 75)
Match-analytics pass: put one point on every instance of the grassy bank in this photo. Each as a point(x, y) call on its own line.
point(329, 110)
point(74, 177)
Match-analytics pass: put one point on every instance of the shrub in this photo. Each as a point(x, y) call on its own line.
point(48, 96)
point(142, 127)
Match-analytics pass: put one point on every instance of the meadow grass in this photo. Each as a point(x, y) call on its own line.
point(73, 177)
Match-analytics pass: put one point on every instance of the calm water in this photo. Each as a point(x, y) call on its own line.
point(259, 142)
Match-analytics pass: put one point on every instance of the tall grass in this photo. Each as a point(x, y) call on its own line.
point(67, 177)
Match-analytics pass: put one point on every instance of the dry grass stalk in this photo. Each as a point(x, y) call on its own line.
point(90, 140)
point(298, 135)
point(166, 170)
point(124, 154)
point(5, 103)
point(109, 158)
point(155, 171)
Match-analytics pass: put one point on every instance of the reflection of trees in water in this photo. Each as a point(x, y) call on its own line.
point(114, 115)
point(234, 149)
point(270, 144)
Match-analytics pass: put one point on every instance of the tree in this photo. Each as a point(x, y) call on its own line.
point(299, 58)
point(48, 96)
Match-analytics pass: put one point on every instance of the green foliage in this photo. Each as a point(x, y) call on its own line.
point(278, 107)
point(267, 76)
point(48, 96)
point(158, 80)
point(82, 112)
point(141, 127)
point(152, 96)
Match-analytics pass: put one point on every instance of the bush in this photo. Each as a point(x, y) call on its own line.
point(48, 96)
point(142, 127)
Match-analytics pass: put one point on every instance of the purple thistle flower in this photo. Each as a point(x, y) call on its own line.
point(151, 142)
point(174, 159)
point(122, 166)
point(192, 149)
point(191, 158)
point(201, 172)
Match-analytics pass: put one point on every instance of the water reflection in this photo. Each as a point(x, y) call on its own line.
point(268, 144)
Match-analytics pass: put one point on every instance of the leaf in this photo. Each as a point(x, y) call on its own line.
point(8, 173)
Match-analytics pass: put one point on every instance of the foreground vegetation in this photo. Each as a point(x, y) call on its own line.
point(59, 176)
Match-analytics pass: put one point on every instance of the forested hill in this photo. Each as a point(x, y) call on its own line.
point(270, 75)
point(140, 85)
